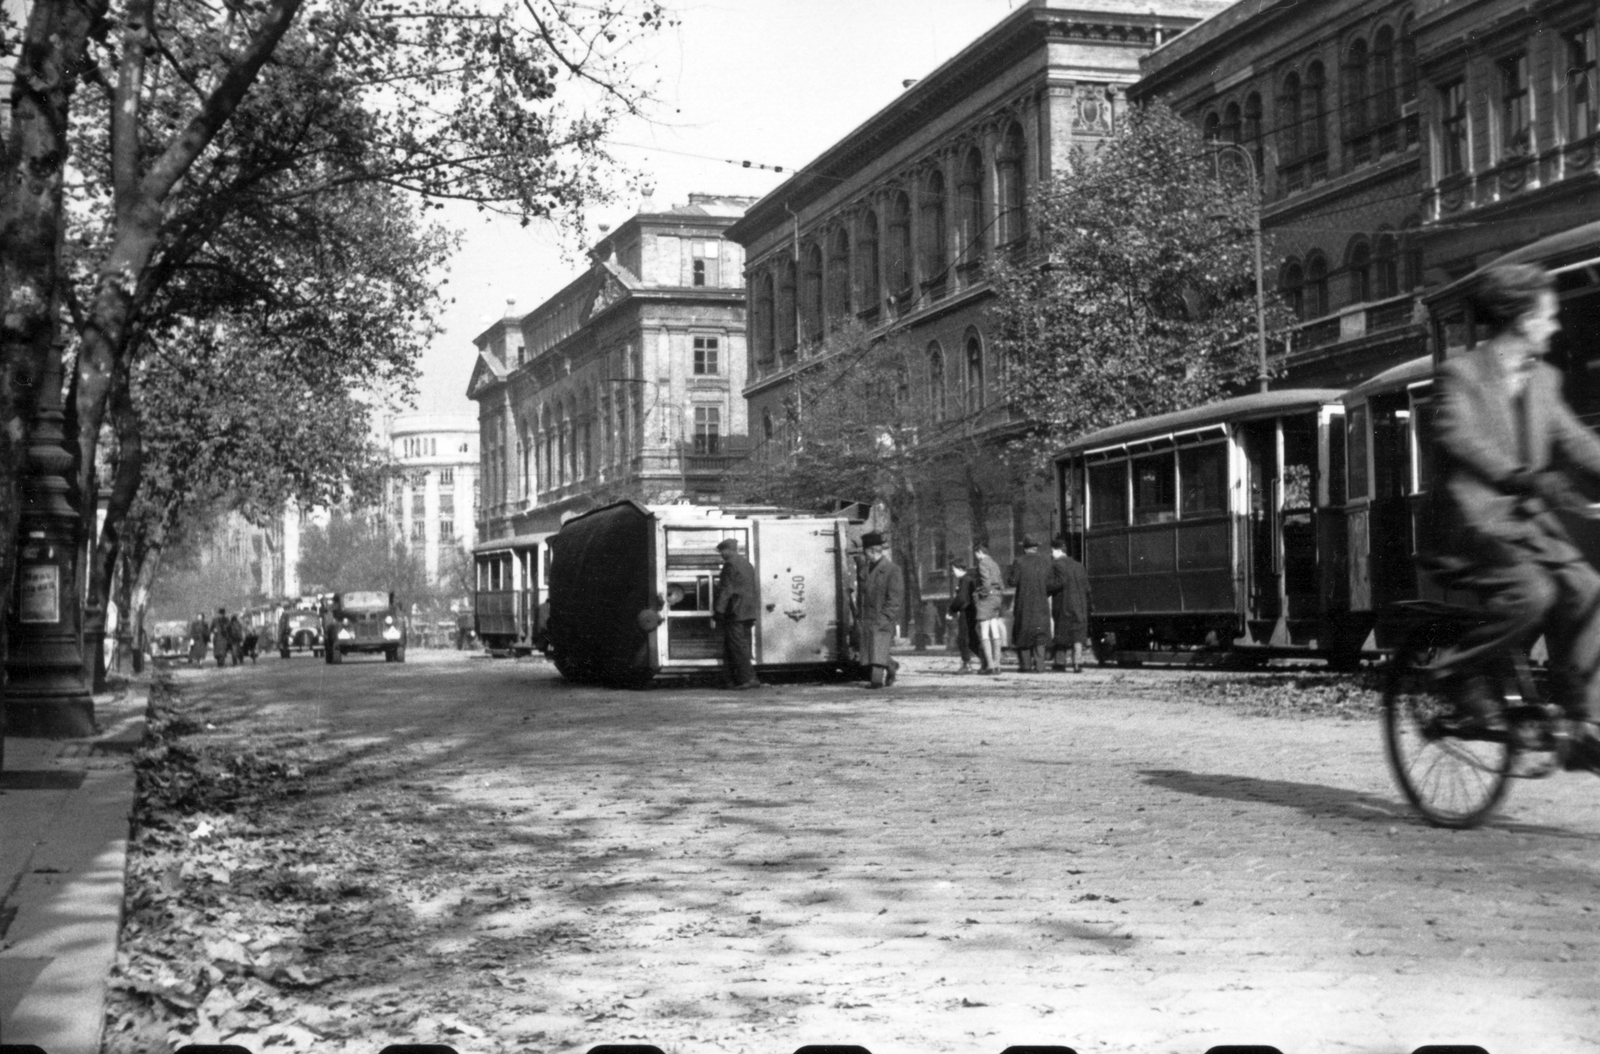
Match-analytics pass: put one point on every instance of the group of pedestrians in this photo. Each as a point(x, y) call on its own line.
point(1050, 609)
point(229, 638)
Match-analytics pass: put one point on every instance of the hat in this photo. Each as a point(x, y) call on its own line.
point(870, 539)
point(1059, 541)
point(1028, 542)
point(728, 543)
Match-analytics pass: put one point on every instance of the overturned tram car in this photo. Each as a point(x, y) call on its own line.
point(632, 591)
point(1207, 530)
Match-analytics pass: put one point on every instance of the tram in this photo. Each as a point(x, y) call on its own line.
point(632, 591)
point(512, 585)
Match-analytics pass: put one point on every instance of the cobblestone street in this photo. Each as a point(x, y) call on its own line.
point(956, 864)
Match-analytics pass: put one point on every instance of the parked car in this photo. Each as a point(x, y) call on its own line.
point(299, 631)
point(365, 621)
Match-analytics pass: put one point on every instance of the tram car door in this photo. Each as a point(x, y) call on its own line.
point(1278, 537)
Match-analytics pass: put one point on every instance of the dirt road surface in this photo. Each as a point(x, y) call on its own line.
point(470, 851)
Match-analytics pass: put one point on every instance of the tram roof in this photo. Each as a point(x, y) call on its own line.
point(1240, 407)
point(1574, 246)
point(521, 541)
point(1404, 375)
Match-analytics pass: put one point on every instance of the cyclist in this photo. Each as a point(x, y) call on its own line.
point(1508, 445)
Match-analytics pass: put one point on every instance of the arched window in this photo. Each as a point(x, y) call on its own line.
point(1406, 74)
point(867, 264)
point(1211, 127)
point(564, 450)
point(1232, 124)
point(936, 396)
point(1252, 132)
point(1009, 189)
point(783, 317)
point(1386, 266)
point(765, 308)
point(931, 234)
point(1316, 286)
point(811, 293)
point(1291, 284)
point(1410, 255)
point(1357, 89)
point(1289, 105)
point(838, 276)
point(898, 269)
point(1358, 264)
point(974, 373)
point(1316, 110)
point(970, 209)
point(1385, 100)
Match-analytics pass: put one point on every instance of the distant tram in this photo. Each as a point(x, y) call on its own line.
point(512, 576)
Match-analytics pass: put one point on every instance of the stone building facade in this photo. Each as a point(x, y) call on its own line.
point(892, 226)
point(623, 385)
point(1322, 102)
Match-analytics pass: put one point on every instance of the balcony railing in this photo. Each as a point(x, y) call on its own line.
point(1355, 322)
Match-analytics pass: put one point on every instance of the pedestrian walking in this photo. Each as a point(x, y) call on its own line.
point(883, 592)
point(963, 606)
point(236, 640)
point(986, 600)
point(199, 635)
point(1029, 575)
point(738, 604)
point(1069, 606)
point(219, 637)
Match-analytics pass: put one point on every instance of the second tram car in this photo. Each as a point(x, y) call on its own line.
point(1203, 529)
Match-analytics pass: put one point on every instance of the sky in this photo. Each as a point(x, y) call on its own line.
point(773, 82)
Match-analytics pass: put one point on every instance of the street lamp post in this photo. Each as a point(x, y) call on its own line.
point(1255, 229)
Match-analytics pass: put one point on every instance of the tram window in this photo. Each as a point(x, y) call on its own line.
point(1155, 489)
point(1336, 475)
point(1203, 479)
point(1108, 494)
point(1358, 452)
point(1422, 437)
point(689, 594)
point(1299, 461)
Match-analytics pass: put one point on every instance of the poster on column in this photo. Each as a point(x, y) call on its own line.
point(39, 594)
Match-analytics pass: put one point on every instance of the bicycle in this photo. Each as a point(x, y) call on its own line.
point(1453, 779)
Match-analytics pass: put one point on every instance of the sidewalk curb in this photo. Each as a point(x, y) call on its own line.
point(65, 804)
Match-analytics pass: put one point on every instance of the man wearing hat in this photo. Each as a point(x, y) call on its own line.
point(737, 606)
point(883, 593)
point(1030, 607)
point(1069, 605)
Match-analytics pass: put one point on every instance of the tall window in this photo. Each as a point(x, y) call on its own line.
point(1009, 187)
point(1316, 287)
point(1292, 285)
point(1452, 128)
point(1580, 84)
point(1386, 266)
point(707, 429)
point(868, 260)
point(1385, 103)
point(1516, 113)
point(974, 374)
point(1232, 124)
point(838, 276)
point(898, 264)
point(706, 357)
point(783, 316)
point(1316, 110)
point(766, 424)
point(936, 397)
point(1211, 128)
point(1358, 263)
point(969, 208)
point(1410, 256)
point(931, 233)
point(447, 478)
point(765, 311)
point(447, 531)
point(1289, 106)
point(811, 293)
point(1357, 89)
point(1252, 131)
point(703, 262)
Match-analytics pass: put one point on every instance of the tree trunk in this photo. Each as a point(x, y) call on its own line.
point(107, 547)
point(31, 184)
point(143, 573)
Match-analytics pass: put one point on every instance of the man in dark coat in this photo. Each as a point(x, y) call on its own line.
point(1030, 606)
point(738, 605)
point(883, 593)
point(1502, 428)
point(964, 607)
point(219, 637)
point(199, 634)
point(1069, 606)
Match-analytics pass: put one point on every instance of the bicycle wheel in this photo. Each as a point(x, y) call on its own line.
point(1451, 781)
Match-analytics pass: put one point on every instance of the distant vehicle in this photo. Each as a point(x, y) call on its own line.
point(299, 631)
point(364, 621)
point(169, 639)
point(513, 584)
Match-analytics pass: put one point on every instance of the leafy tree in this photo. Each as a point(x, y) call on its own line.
point(360, 552)
point(195, 111)
point(1138, 295)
